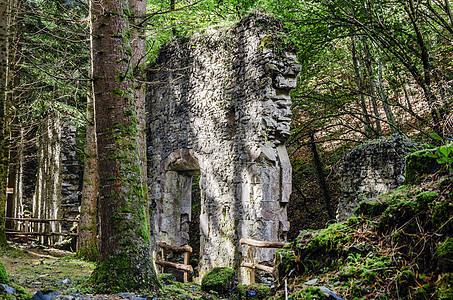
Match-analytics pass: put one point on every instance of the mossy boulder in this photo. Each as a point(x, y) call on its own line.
point(257, 291)
point(220, 279)
point(444, 254)
point(316, 250)
point(418, 164)
point(441, 217)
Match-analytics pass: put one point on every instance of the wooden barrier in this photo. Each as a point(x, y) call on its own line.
point(260, 244)
point(28, 233)
point(184, 267)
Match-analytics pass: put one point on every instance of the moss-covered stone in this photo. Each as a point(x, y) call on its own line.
point(425, 199)
point(418, 164)
point(444, 289)
point(220, 279)
point(445, 255)
point(3, 274)
point(441, 217)
point(371, 209)
point(256, 291)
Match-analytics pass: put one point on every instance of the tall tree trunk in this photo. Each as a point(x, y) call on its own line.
point(369, 68)
point(425, 84)
point(86, 241)
point(321, 177)
point(87, 238)
point(385, 101)
point(366, 118)
point(125, 262)
point(138, 43)
point(4, 135)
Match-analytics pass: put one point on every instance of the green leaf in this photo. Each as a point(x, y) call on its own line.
point(437, 137)
point(445, 150)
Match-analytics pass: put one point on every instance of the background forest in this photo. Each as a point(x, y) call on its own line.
point(370, 69)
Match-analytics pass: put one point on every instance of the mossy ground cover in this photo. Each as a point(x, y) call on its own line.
point(36, 270)
point(397, 247)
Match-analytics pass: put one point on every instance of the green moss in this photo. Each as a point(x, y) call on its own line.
point(444, 289)
point(256, 291)
point(122, 273)
point(285, 262)
point(425, 199)
point(441, 217)
point(3, 274)
point(371, 209)
point(330, 239)
point(445, 255)
point(220, 280)
point(89, 252)
point(308, 294)
point(419, 163)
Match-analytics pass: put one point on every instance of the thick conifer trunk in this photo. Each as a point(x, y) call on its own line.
point(125, 262)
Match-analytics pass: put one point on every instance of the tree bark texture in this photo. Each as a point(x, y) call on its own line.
point(125, 262)
point(3, 125)
point(87, 238)
point(138, 44)
point(366, 118)
point(321, 177)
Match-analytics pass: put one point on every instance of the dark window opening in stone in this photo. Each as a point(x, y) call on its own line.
point(194, 225)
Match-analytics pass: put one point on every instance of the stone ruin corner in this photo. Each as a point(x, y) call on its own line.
point(219, 107)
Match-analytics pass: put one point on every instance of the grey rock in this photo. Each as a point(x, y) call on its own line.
point(8, 289)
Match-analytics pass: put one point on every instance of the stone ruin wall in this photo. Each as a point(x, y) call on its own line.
point(371, 169)
point(218, 105)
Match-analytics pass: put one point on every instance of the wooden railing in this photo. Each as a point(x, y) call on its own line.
point(252, 265)
point(27, 232)
point(184, 267)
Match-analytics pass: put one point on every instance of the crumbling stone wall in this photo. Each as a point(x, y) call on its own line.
point(373, 168)
point(218, 105)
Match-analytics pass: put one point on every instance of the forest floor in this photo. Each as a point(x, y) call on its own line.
point(46, 269)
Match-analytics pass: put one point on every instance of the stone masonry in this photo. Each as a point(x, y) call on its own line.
point(218, 105)
point(373, 168)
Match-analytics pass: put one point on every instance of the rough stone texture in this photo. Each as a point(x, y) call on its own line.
point(219, 106)
point(371, 169)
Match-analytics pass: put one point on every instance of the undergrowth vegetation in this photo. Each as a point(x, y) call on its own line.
point(398, 246)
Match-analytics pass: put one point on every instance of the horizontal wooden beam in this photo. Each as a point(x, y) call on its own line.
point(262, 244)
point(42, 233)
point(185, 248)
point(41, 220)
point(258, 266)
point(187, 268)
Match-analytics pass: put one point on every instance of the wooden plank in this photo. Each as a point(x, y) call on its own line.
point(185, 248)
point(187, 268)
point(41, 220)
point(258, 266)
point(262, 244)
point(252, 260)
point(42, 233)
point(186, 262)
